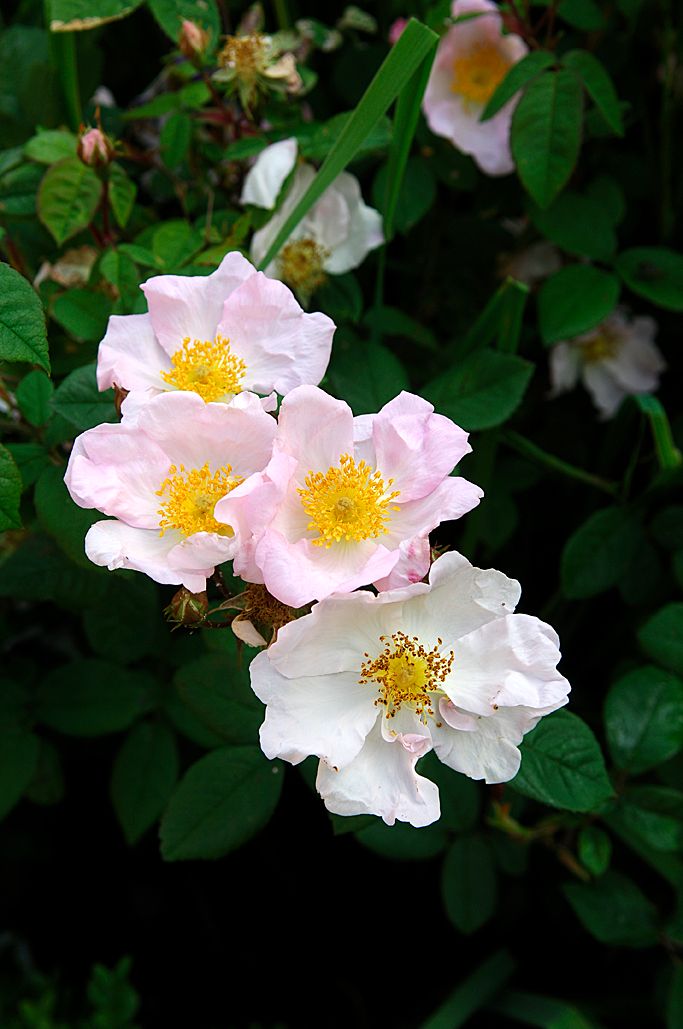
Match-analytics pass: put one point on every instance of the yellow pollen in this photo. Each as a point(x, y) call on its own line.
point(478, 73)
point(248, 56)
point(301, 265)
point(206, 367)
point(599, 347)
point(407, 673)
point(349, 502)
point(190, 498)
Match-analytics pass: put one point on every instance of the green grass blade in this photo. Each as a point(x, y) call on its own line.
point(511, 315)
point(417, 42)
point(668, 454)
point(473, 992)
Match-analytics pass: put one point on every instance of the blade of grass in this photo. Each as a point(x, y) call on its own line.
point(512, 312)
point(543, 1012)
point(473, 993)
point(668, 454)
point(63, 60)
point(417, 42)
point(497, 321)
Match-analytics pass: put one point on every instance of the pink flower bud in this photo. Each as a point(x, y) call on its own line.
point(193, 40)
point(95, 148)
point(396, 30)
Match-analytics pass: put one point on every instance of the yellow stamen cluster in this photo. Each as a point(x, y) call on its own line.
point(246, 56)
point(262, 607)
point(190, 498)
point(407, 673)
point(349, 502)
point(478, 73)
point(300, 264)
point(599, 347)
point(206, 367)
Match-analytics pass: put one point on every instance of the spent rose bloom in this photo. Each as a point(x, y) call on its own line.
point(159, 475)
point(471, 61)
point(369, 684)
point(335, 236)
point(341, 494)
point(615, 360)
point(215, 335)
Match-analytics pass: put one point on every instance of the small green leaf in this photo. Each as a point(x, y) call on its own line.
point(18, 758)
point(582, 14)
point(575, 299)
point(472, 993)
point(654, 814)
point(171, 13)
point(10, 491)
point(61, 517)
point(614, 911)
point(595, 849)
point(644, 718)
point(120, 270)
point(518, 76)
point(51, 145)
point(68, 198)
point(175, 139)
point(468, 883)
point(668, 454)
point(545, 136)
point(483, 390)
point(459, 796)
point(216, 689)
point(30, 459)
point(82, 313)
point(598, 85)
point(143, 777)
point(122, 192)
point(34, 394)
point(662, 637)
point(401, 842)
point(383, 374)
point(174, 243)
point(598, 553)
point(655, 273)
point(79, 401)
point(92, 698)
point(220, 803)
point(126, 625)
point(76, 15)
point(23, 335)
point(341, 298)
point(579, 223)
point(391, 321)
point(39, 570)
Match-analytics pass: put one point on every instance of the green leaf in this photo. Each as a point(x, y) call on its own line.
point(92, 698)
point(644, 718)
point(23, 335)
point(518, 76)
point(68, 198)
point(175, 139)
point(545, 136)
point(220, 803)
point(662, 637)
point(82, 313)
point(459, 796)
point(667, 527)
point(472, 993)
point(614, 911)
point(34, 394)
point(483, 390)
point(668, 454)
point(76, 15)
point(401, 842)
point(391, 321)
point(18, 758)
point(317, 139)
point(143, 777)
point(216, 689)
point(170, 14)
point(595, 849)
point(192, 96)
point(125, 625)
point(174, 243)
point(79, 401)
point(30, 459)
point(341, 298)
point(598, 85)
point(18, 189)
point(562, 765)
point(10, 491)
point(122, 192)
point(598, 553)
point(415, 197)
point(544, 1012)
point(575, 299)
point(61, 517)
point(51, 145)
point(655, 273)
point(38, 570)
point(383, 374)
point(579, 223)
point(582, 14)
point(121, 271)
point(654, 814)
point(468, 884)
point(417, 44)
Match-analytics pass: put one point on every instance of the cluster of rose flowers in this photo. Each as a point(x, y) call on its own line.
point(313, 506)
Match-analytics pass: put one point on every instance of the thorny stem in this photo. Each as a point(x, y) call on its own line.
point(528, 449)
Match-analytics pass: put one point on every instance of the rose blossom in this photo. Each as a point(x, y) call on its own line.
point(472, 60)
point(159, 476)
point(341, 494)
point(369, 684)
point(215, 335)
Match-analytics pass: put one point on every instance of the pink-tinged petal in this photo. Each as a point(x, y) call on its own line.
point(329, 220)
point(489, 752)
point(412, 565)
point(606, 393)
point(201, 551)
point(130, 356)
point(281, 345)
point(327, 715)
point(415, 447)
point(115, 545)
point(315, 429)
point(509, 662)
point(565, 367)
point(381, 781)
point(247, 632)
point(451, 499)
point(297, 573)
point(265, 178)
point(191, 305)
point(637, 365)
point(117, 469)
point(363, 231)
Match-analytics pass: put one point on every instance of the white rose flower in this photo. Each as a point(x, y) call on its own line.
point(370, 684)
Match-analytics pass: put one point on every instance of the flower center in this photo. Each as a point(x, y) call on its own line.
point(190, 498)
point(247, 56)
point(601, 346)
point(477, 74)
point(349, 502)
point(301, 265)
point(407, 673)
point(206, 367)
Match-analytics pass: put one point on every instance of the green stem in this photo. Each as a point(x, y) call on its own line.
point(528, 449)
point(63, 61)
point(281, 13)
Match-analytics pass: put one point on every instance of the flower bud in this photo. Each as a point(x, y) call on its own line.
point(95, 148)
point(396, 30)
point(193, 40)
point(187, 608)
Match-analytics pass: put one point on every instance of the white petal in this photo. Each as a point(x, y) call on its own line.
point(490, 751)
point(363, 232)
point(116, 545)
point(264, 180)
